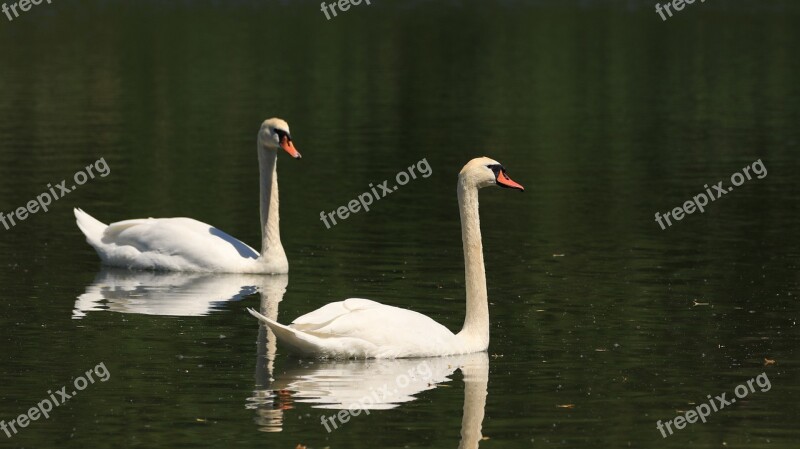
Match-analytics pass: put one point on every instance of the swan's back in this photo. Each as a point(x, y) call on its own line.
point(174, 244)
point(389, 331)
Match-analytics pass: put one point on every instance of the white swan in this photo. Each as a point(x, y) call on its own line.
point(362, 328)
point(184, 244)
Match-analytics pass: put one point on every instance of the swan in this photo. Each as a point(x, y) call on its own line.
point(361, 328)
point(185, 244)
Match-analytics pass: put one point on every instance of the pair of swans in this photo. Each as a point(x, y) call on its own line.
point(353, 328)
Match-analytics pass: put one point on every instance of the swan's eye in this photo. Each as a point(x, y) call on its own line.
point(496, 168)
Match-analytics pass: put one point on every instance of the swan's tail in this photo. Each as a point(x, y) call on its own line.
point(297, 340)
point(91, 227)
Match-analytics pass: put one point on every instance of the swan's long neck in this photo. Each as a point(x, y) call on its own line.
point(270, 229)
point(475, 333)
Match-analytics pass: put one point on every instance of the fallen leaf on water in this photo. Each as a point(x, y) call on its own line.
point(768, 361)
point(566, 406)
point(558, 255)
point(601, 350)
point(695, 303)
point(201, 420)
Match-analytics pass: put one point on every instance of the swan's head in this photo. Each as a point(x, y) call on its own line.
point(275, 134)
point(483, 172)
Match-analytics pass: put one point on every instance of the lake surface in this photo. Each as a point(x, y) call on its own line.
point(602, 323)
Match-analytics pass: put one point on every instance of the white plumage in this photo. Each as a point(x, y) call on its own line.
point(361, 328)
point(185, 244)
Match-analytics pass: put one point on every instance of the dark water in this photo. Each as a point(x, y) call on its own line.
point(602, 323)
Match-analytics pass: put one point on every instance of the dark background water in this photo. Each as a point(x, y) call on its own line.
point(604, 112)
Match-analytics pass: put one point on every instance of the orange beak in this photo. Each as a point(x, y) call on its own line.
point(288, 146)
point(504, 181)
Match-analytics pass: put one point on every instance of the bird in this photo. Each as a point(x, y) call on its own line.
point(185, 244)
point(362, 328)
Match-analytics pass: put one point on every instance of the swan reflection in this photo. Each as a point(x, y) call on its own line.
point(165, 293)
point(364, 385)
